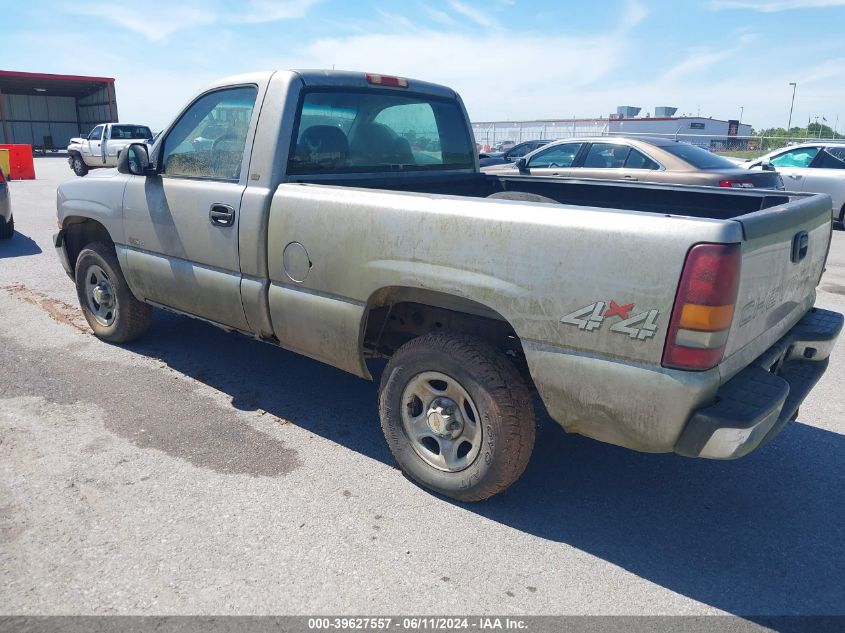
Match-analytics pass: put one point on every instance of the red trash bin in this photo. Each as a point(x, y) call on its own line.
point(21, 165)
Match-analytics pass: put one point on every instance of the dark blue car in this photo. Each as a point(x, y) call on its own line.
point(513, 154)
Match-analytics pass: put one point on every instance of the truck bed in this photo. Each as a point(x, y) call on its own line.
point(690, 201)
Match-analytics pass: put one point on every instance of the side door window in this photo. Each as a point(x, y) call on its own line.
point(830, 158)
point(96, 134)
point(519, 151)
point(208, 140)
point(606, 156)
point(562, 155)
point(801, 157)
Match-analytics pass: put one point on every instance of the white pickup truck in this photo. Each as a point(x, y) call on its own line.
point(343, 216)
point(103, 145)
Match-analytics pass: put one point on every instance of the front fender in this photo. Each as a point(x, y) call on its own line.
point(98, 197)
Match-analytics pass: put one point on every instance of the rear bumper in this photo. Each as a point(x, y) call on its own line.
point(756, 404)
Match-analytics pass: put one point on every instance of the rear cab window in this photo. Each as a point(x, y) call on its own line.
point(130, 132)
point(360, 131)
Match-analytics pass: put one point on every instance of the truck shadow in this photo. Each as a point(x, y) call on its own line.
point(755, 537)
point(19, 245)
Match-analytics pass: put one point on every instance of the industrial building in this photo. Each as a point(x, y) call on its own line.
point(706, 132)
point(45, 110)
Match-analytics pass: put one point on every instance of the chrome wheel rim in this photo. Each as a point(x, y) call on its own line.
point(441, 421)
point(100, 296)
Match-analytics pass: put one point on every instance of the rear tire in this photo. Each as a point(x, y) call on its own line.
point(842, 215)
point(7, 229)
point(108, 304)
point(78, 165)
point(456, 415)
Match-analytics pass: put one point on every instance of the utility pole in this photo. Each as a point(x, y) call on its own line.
point(792, 105)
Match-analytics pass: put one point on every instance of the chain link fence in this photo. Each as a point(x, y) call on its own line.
point(493, 135)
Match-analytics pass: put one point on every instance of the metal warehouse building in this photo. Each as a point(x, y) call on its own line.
point(46, 110)
point(703, 131)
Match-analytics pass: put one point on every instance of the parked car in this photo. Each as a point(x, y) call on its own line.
point(7, 220)
point(514, 153)
point(660, 318)
point(815, 166)
point(504, 146)
point(103, 145)
point(644, 159)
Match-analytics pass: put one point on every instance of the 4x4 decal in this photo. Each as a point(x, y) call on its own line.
point(641, 326)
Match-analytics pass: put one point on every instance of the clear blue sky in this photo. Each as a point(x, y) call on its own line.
point(509, 59)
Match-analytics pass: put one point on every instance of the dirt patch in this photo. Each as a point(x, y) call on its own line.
point(834, 288)
point(57, 310)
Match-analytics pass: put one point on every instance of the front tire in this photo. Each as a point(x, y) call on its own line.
point(109, 306)
point(7, 229)
point(78, 165)
point(456, 415)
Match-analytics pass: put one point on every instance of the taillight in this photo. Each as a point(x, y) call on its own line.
point(736, 184)
point(385, 80)
point(704, 307)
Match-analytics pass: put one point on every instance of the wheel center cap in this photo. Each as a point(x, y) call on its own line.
point(102, 295)
point(442, 419)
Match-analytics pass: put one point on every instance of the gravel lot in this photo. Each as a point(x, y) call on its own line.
point(199, 472)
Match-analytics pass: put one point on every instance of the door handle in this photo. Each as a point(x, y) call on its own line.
point(794, 176)
point(629, 177)
point(222, 215)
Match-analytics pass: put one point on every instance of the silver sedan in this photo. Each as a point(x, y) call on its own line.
point(815, 167)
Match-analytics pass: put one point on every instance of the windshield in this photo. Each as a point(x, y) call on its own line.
point(361, 131)
point(697, 157)
point(130, 132)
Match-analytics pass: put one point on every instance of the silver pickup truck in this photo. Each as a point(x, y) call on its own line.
point(103, 145)
point(343, 216)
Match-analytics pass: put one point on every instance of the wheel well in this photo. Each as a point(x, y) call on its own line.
point(396, 315)
point(82, 231)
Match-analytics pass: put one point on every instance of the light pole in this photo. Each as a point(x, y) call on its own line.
point(741, 110)
point(792, 105)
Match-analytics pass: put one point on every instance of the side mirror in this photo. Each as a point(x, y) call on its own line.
point(522, 166)
point(135, 160)
point(767, 166)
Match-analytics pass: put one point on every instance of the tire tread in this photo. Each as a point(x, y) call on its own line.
point(507, 389)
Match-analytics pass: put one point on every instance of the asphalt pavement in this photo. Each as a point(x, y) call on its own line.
point(200, 472)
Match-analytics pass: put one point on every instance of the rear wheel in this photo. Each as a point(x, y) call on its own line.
point(108, 304)
point(7, 229)
point(842, 214)
point(78, 165)
point(457, 416)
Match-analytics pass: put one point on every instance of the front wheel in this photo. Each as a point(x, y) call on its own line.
point(78, 165)
point(456, 415)
point(108, 304)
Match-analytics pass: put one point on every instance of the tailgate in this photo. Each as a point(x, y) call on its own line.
point(776, 285)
